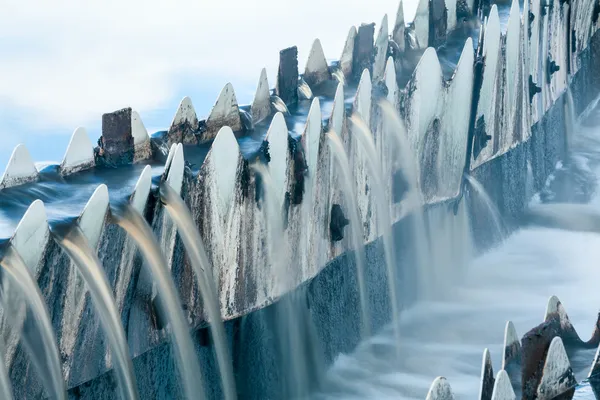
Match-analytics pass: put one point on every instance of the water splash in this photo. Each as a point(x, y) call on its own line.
point(199, 260)
point(37, 334)
point(500, 229)
point(138, 229)
point(279, 105)
point(337, 149)
point(365, 138)
point(75, 244)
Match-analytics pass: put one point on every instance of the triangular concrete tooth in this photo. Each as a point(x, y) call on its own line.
point(277, 136)
point(31, 236)
point(225, 158)
point(336, 121)
point(381, 47)
point(316, 70)
point(362, 101)
point(176, 166)
point(440, 390)
point(486, 383)
point(185, 123)
point(225, 112)
point(502, 388)
point(20, 169)
point(139, 197)
point(398, 33)
point(169, 158)
point(79, 155)
point(557, 376)
point(512, 346)
point(141, 138)
point(595, 370)
point(311, 135)
point(261, 106)
point(390, 81)
point(304, 90)
point(513, 51)
point(421, 24)
point(346, 59)
point(91, 220)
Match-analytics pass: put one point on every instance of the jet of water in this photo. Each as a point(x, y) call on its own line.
point(199, 260)
point(39, 341)
point(75, 244)
point(337, 149)
point(365, 138)
point(489, 204)
point(138, 229)
point(570, 119)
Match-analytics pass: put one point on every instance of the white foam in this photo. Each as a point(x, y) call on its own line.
point(140, 194)
point(20, 168)
point(316, 70)
point(362, 101)
point(557, 375)
point(225, 156)
point(440, 390)
point(277, 135)
point(224, 113)
point(502, 387)
point(348, 52)
point(261, 106)
point(390, 81)
point(91, 220)
point(398, 33)
point(79, 154)
point(176, 167)
point(31, 236)
point(381, 46)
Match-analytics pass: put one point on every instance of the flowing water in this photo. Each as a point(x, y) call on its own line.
point(74, 243)
point(365, 138)
point(139, 230)
point(492, 210)
point(37, 334)
point(203, 270)
point(337, 149)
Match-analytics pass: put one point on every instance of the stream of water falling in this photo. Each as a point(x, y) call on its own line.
point(206, 283)
point(492, 210)
point(337, 149)
point(38, 338)
point(74, 243)
point(140, 231)
point(365, 138)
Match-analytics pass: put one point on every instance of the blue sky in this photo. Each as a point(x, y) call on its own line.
point(65, 63)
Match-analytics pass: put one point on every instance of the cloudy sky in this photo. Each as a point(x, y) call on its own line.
point(66, 62)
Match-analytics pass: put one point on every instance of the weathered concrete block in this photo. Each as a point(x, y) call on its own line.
point(287, 76)
point(364, 51)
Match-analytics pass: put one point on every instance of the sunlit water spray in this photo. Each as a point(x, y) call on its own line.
point(74, 243)
point(337, 149)
point(37, 334)
point(363, 133)
point(206, 283)
point(140, 231)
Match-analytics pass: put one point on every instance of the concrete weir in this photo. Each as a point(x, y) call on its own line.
point(500, 113)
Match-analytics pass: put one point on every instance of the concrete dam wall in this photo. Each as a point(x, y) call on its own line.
point(479, 88)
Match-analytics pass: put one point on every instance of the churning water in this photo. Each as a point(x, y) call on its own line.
point(446, 334)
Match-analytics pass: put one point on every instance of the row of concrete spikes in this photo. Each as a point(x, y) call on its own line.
point(80, 155)
point(538, 362)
